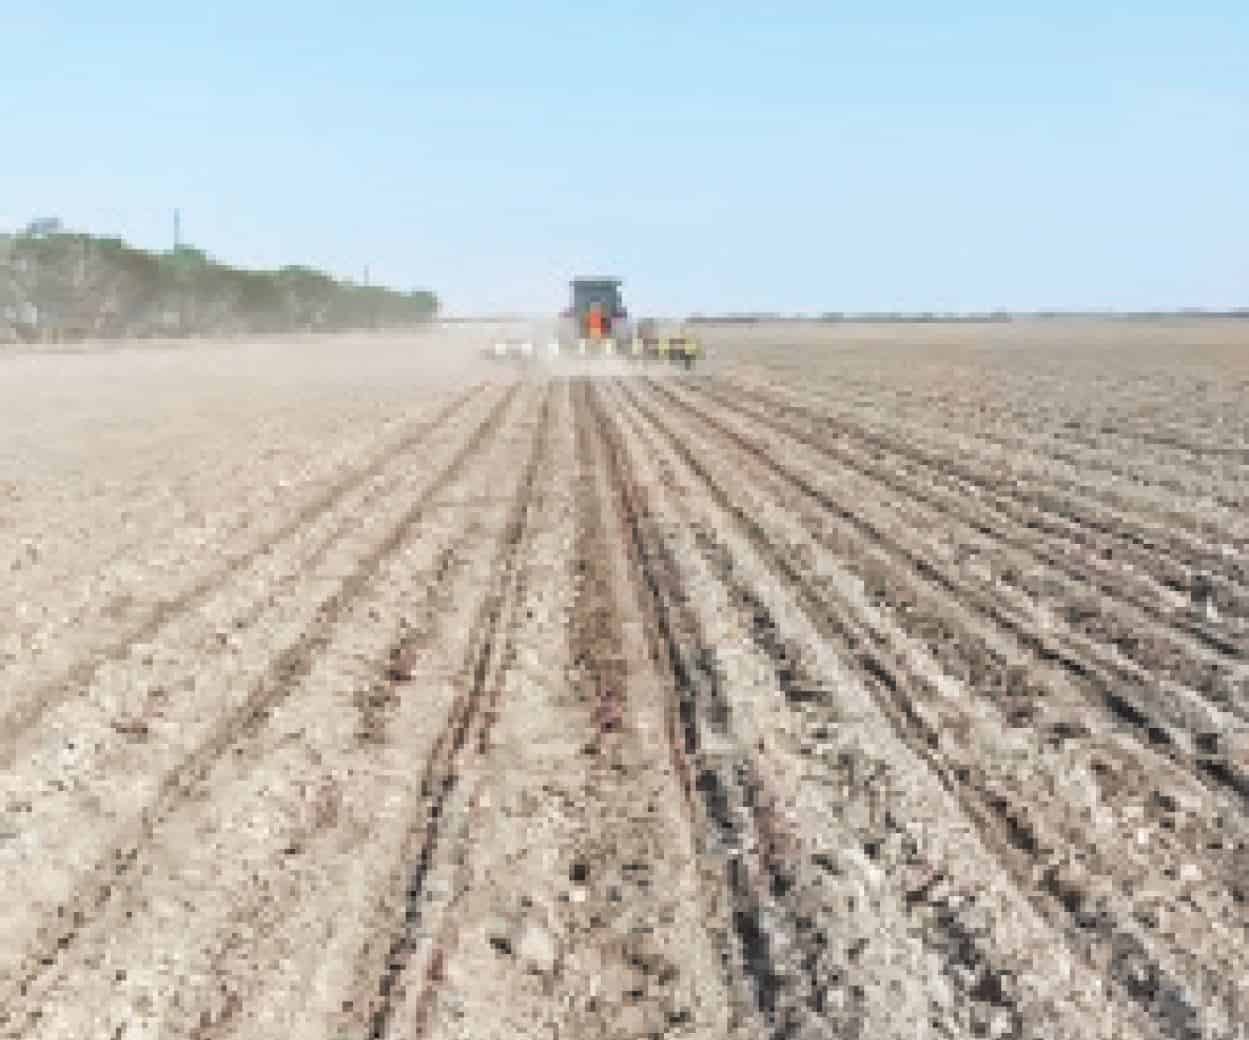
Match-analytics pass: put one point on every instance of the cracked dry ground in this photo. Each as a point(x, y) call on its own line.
point(860, 699)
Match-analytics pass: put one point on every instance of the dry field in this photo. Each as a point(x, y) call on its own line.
point(869, 682)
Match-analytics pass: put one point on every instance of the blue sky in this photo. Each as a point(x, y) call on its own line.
point(790, 157)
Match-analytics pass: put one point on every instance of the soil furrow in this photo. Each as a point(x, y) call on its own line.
point(913, 565)
point(165, 516)
point(491, 652)
point(991, 809)
point(39, 700)
point(566, 889)
point(961, 651)
point(1185, 731)
point(611, 506)
point(258, 915)
point(1174, 562)
point(110, 870)
point(1130, 570)
point(1017, 431)
point(765, 917)
point(677, 644)
point(869, 680)
point(968, 963)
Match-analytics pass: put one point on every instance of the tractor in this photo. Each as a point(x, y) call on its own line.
point(596, 324)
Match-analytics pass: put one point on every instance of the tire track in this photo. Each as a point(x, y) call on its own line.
point(631, 957)
point(765, 917)
point(491, 654)
point(467, 814)
point(111, 871)
point(43, 698)
point(620, 849)
point(999, 819)
point(596, 635)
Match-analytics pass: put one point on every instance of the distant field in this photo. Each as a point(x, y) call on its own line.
point(1214, 338)
point(870, 680)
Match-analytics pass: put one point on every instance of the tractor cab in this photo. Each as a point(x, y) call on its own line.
point(597, 308)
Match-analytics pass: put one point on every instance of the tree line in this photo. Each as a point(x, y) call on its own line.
point(67, 285)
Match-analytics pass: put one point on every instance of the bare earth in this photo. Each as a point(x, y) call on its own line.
point(866, 682)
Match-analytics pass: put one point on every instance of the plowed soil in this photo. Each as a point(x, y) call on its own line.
point(863, 682)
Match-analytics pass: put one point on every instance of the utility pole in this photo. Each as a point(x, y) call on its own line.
point(181, 288)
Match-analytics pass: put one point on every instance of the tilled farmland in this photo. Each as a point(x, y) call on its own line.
point(839, 688)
